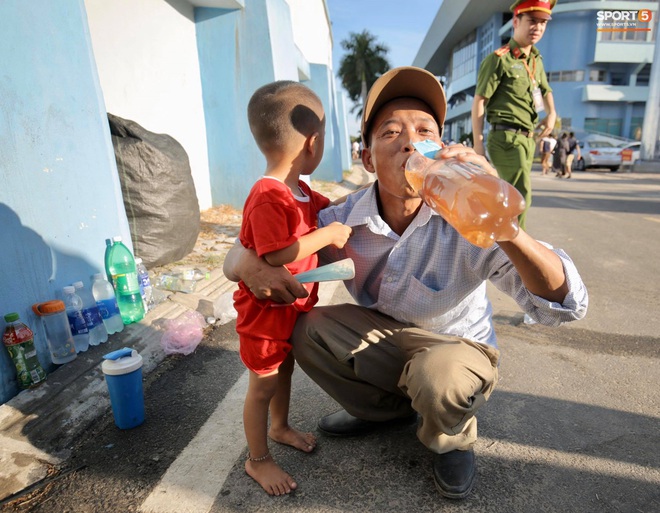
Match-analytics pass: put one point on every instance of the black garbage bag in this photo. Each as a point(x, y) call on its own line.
point(158, 190)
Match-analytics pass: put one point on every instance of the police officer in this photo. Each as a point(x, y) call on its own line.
point(513, 91)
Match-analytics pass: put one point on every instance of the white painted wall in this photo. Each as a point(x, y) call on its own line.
point(311, 30)
point(146, 55)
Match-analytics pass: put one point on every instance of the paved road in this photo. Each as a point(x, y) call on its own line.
point(574, 424)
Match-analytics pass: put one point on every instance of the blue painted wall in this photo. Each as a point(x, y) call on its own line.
point(236, 58)
point(239, 51)
point(321, 83)
point(60, 196)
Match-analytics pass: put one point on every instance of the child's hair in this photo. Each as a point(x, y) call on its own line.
point(278, 109)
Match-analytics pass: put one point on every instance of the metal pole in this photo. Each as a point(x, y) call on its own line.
point(652, 110)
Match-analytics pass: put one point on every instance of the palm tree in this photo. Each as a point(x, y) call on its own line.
point(365, 60)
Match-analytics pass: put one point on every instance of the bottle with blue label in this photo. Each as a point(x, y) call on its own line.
point(121, 266)
point(79, 330)
point(145, 284)
point(97, 332)
point(105, 298)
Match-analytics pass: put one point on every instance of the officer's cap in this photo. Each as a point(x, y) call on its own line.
point(536, 8)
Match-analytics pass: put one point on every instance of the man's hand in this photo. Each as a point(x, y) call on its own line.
point(274, 283)
point(547, 124)
point(465, 154)
point(265, 281)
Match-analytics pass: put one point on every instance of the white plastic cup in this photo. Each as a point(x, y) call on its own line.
point(123, 374)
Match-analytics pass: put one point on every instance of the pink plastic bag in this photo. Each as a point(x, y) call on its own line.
point(183, 334)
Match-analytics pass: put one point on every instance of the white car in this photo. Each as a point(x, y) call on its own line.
point(598, 153)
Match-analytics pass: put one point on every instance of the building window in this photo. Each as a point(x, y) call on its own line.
point(617, 78)
point(636, 128)
point(604, 126)
point(597, 75)
point(643, 76)
point(566, 76)
point(464, 57)
point(486, 38)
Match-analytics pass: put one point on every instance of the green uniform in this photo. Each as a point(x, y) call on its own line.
point(505, 80)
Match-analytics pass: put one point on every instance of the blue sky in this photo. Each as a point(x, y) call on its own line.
point(401, 25)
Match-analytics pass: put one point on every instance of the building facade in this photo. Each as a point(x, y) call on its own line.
point(598, 64)
point(186, 68)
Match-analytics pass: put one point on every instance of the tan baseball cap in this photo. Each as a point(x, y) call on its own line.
point(404, 82)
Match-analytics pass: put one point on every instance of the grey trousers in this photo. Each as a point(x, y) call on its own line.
point(380, 369)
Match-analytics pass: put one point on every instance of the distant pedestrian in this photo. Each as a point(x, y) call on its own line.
point(547, 145)
point(573, 148)
point(559, 156)
point(356, 150)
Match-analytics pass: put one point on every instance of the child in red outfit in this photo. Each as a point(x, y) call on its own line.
point(279, 223)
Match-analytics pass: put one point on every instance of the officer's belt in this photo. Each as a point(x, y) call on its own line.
point(511, 128)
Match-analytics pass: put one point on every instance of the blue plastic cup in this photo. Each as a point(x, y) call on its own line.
point(123, 374)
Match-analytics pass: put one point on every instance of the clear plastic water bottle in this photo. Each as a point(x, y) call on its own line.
point(105, 298)
point(145, 284)
point(58, 331)
point(122, 269)
point(93, 318)
point(79, 330)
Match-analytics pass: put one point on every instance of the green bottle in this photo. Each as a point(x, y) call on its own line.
point(120, 266)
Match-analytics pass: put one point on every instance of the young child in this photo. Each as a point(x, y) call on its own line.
point(279, 223)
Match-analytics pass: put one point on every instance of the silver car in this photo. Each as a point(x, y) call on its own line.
point(597, 153)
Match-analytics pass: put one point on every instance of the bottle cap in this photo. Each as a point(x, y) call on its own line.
point(78, 284)
point(116, 238)
point(98, 276)
point(11, 317)
point(138, 261)
point(69, 289)
point(49, 307)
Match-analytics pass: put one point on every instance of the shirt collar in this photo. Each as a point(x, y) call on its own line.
point(517, 52)
point(365, 212)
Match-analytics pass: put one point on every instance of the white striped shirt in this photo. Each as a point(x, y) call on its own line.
point(433, 278)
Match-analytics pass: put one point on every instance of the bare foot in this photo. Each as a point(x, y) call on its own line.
point(305, 442)
point(270, 476)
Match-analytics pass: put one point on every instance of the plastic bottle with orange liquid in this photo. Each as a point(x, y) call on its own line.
point(481, 207)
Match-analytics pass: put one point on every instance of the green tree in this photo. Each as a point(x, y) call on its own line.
point(365, 60)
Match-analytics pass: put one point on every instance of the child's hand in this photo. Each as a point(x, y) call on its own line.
point(338, 234)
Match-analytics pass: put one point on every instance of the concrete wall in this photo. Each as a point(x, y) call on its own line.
point(60, 196)
point(146, 55)
point(239, 51)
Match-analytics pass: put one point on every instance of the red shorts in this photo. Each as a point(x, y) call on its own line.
point(263, 356)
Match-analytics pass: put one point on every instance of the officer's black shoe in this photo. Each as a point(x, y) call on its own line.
point(453, 473)
point(341, 423)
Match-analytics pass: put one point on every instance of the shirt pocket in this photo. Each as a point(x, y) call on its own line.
point(517, 79)
point(428, 308)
